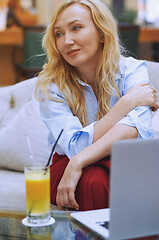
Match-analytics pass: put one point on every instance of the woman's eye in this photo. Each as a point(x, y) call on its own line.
point(75, 28)
point(58, 34)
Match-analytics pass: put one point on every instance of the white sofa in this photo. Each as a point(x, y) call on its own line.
point(20, 128)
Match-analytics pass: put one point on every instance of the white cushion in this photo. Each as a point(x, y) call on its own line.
point(12, 191)
point(13, 98)
point(14, 148)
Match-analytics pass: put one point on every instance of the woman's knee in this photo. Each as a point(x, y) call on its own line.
point(96, 179)
point(93, 189)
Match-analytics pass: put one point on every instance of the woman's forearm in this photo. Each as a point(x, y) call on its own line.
point(102, 147)
point(116, 113)
point(139, 95)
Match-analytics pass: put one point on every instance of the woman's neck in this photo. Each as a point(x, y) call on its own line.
point(88, 75)
point(88, 72)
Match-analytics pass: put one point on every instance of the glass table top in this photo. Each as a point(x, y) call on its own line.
point(64, 228)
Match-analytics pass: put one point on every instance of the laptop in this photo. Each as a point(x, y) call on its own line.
point(134, 193)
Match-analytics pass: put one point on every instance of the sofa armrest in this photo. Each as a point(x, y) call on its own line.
point(153, 70)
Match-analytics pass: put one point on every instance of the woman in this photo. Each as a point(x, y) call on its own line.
point(88, 89)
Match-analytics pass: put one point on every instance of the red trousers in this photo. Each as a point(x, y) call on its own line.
point(92, 191)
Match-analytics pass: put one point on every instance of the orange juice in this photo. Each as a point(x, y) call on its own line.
point(37, 193)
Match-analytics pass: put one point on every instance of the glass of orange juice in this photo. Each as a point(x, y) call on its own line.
point(37, 181)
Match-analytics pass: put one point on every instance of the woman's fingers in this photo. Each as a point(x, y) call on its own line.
point(153, 89)
point(58, 202)
point(66, 189)
point(155, 104)
point(66, 200)
point(72, 200)
point(61, 202)
point(147, 96)
point(66, 196)
point(155, 107)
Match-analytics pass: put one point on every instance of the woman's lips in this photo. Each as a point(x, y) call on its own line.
point(73, 53)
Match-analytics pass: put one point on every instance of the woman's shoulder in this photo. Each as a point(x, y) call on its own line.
point(129, 64)
point(52, 90)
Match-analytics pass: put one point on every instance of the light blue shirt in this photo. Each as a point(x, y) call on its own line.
point(75, 137)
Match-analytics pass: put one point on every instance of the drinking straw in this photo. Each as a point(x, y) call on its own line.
point(53, 148)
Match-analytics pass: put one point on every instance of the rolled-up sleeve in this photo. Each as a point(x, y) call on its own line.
point(58, 116)
point(141, 117)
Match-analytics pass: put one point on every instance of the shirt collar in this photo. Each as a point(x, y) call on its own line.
point(82, 83)
point(119, 75)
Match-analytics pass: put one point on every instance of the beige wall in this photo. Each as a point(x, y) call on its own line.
point(43, 11)
point(45, 8)
point(131, 4)
point(53, 4)
point(108, 2)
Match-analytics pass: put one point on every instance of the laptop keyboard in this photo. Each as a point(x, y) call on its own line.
point(104, 224)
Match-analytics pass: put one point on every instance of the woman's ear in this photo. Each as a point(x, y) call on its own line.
point(101, 34)
point(102, 39)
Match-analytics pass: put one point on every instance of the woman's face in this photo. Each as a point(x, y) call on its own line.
point(77, 38)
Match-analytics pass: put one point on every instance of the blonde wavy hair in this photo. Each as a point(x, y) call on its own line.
point(57, 70)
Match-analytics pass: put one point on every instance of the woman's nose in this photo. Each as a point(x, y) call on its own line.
point(69, 38)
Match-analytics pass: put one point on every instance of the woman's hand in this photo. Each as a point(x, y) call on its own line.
point(66, 189)
point(142, 95)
